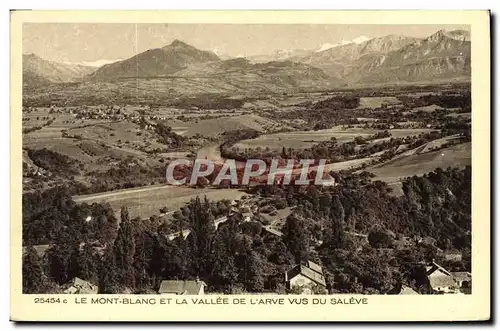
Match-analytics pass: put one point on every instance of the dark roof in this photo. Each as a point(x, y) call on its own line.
point(434, 267)
point(40, 249)
point(80, 286)
point(402, 289)
point(181, 286)
point(406, 290)
point(306, 272)
point(315, 267)
point(272, 230)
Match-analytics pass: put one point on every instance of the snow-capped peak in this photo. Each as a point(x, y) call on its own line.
point(358, 40)
point(98, 63)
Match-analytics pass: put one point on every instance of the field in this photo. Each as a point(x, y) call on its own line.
point(460, 115)
point(303, 139)
point(426, 109)
point(147, 201)
point(346, 165)
point(99, 139)
point(216, 126)
point(376, 102)
point(418, 164)
point(306, 139)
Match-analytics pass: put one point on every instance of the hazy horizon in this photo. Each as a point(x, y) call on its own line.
point(91, 42)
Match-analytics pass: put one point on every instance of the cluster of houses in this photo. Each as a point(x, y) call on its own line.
point(309, 279)
point(114, 113)
point(306, 279)
point(443, 281)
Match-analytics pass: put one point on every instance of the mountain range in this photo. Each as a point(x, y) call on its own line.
point(444, 55)
point(38, 71)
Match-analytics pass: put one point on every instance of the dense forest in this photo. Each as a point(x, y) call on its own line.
point(123, 255)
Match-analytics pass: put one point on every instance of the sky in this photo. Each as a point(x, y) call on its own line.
point(91, 42)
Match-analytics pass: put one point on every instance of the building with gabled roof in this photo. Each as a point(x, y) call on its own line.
point(441, 280)
point(303, 276)
point(463, 279)
point(182, 287)
point(403, 289)
point(271, 230)
point(315, 267)
point(80, 286)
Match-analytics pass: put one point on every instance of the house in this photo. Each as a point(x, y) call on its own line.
point(182, 287)
point(247, 217)
point(305, 277)
point(441, 280)
point(315, 267)
point(427, 241)
point(80, 286)
point(403, 290)
point(185, 234)
point(463, 280)
point(269, 229)
point(40, 249)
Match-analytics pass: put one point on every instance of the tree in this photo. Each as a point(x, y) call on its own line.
point(337, 210)
point(108, 274)
point(296, 237)
point(83, 263)
point(335, 233)
point(379, 237)
point(202, 222)
point(124, 250)
point(279, 254)
point(253, 273)
point(58, 260)
point(108, 225)
point(124, 216)
point(32, 271)
point(144, 246)
point(224, 272)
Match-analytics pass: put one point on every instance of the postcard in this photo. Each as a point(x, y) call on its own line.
point(250, 166)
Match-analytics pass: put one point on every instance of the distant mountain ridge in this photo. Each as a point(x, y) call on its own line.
point(180, 60)
point(443, 55)
point(341, 60)
point(181, 69)
point(38, 71)
point(155, 62)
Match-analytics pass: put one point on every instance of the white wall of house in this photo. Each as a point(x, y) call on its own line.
point(299, 280)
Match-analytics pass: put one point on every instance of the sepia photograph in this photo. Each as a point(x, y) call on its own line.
point(272, 160)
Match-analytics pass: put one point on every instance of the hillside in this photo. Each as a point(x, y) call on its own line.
point(38, 71)
point(235, 76)
point(155, 62)
point(444, 55)
point(279, 55)
point(341, 60)
point(178, 69)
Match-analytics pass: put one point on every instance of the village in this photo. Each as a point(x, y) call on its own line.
point(307, 278)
